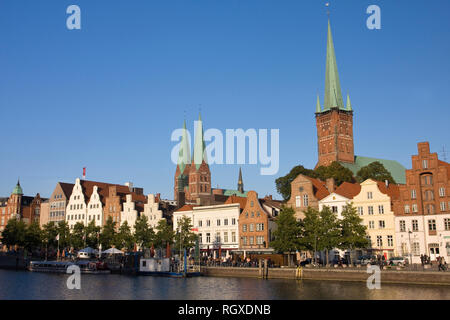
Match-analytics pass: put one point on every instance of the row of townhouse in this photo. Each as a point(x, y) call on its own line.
point(410, 219)
point(240, 224)
point(86, 201)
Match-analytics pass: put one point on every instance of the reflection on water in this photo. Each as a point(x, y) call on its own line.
point(28, 285)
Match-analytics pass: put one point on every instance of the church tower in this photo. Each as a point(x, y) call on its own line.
point(334, 121)
point(240, 186)
point(199, 173)
point(183, 166)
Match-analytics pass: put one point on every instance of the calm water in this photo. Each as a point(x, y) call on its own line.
point(29, 285)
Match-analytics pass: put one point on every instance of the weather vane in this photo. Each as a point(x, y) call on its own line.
point(328, 8)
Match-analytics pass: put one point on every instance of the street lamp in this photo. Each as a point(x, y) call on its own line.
point(410, 246)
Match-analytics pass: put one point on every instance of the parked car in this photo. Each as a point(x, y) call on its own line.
point(363, 260)
point(398, 261)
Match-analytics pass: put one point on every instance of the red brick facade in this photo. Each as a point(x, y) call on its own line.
point(335, 136)
point(254, 224)
point(427, 185)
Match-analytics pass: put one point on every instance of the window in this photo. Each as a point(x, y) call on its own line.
point(233, 221)
point(218, 222)
point(244, 240)
point(225, 237)
point(251, 203)
point(414, 207)
point(251, 240)
point(252, 227)
point(447, 224)
point(416, 248)
point(379, 241)
point(253, 214)
point(390, 241)
point(233, 237)
point(413, 194)
point(441, 192)
point(297, 202)
point(218, 237)
point(200, 223)
point(334, 209)
point(225, 222)
point(360, 211)
point(259, 240)
point(208, 223)
point(370, 209)
point(402, 226)
point(442, 206)
point(208, 237)
point(415, 225)
point(432, 225)
point(381, 224)
point(258, 214)
point(371, 224)
point(244, 228)
point(260, 227)
point(246, 214)
point(381, 209)
point(305, 200)
point(407, 208)
point(447, 245)
point(369, 195)
point(425, 164)
point(430, 208)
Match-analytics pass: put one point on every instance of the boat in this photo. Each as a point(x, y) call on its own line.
point(163, 267)
point(86, 267)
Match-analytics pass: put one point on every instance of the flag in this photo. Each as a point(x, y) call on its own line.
point(84, 173)
point(194, 229)
point(57, 237)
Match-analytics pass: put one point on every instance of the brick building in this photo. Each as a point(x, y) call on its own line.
point(423, 208)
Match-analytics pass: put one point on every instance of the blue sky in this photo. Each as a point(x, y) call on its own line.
point(108, 96)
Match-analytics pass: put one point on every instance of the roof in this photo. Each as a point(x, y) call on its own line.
point(443, 163)
point(186, 207)
point(230, 192)
point(392, 190)
point(348, 190)
point(394, 167)
point(236, 199)
point(67, 188)
point(319, 188)
point(17, 189)
point(103, 190)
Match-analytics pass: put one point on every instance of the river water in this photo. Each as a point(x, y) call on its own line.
point(46, 286)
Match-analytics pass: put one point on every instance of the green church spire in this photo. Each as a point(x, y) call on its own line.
point(18, 189)
point(333, 94)
point(184, 156)
point(199, 146)
point(349, 104)
point(318, 107)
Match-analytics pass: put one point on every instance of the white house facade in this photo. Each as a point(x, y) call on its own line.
point(152, 212)
point(76, 208)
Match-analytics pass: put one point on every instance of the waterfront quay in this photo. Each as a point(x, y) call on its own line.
point(413, 275)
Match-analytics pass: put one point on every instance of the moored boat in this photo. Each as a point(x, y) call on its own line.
point(86, 267)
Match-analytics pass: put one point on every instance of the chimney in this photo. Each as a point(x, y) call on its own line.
point(330, 185)
point(387, 183)
point(129, 185)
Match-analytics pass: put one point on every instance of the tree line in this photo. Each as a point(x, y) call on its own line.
point(319, 231)
point(58, 235)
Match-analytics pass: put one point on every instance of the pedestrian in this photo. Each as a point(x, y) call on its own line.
point(422, 260)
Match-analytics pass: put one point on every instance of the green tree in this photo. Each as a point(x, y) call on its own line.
point(283, 184)
point(164, 234)
point(124, 238)
point(329, 231)
point(143, 234)
point(185, 238)
point(108, 234)
point(287, 233)
point(353, 232)
point(311, 230)
point(375, 171)
point(14, 233)
point(336, 171)
point(77, 237)
point(33, 236)
point(49, 233)
point(64, 234)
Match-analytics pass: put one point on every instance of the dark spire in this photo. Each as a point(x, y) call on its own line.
point(240, 182)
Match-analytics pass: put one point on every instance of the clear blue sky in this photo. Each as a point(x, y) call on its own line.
point(108, 97)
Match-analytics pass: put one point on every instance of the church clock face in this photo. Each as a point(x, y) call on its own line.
point(300, 189)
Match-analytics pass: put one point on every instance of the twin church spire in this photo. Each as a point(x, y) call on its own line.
point(184, 155)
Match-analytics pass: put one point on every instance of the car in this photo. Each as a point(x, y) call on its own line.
point(363, 260)
point(398, 261)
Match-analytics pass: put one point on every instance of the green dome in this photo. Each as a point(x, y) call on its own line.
point(17, 189)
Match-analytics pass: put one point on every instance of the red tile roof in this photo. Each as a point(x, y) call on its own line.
point(319, 188)
point(235, 199)
point(186, 207)
point(392, 190)
point(348, 190)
